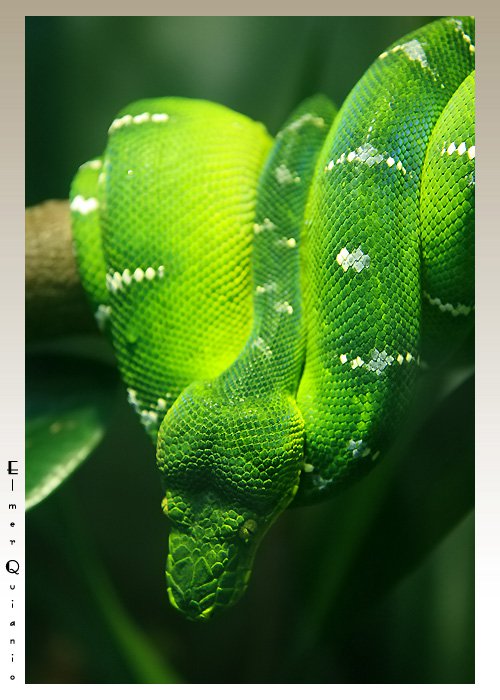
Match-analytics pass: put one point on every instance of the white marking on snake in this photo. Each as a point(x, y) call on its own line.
point(308, 468)
point(415, 52)
point(266, 225)
point(367, 154)
point(319, 483)
point(284, 176)
point(400, 359)
point(115, 280)
point(379, 361)
point(110, 283)
point(461, 150)
point(127, 119)
point(413, 49)
point(343, 359)
point(304, 119)
point(358, 260)
point(102, 315)
point(149, 418)
point(261, 345)
point(84, 206)
point(357, 362)
point(161, 404)
point(132, 398)
point(283, 307)
point(287, 242)
point(459, 27)
point(267, 287)
point(453, 309)
point(119, 122)
point(358, 449)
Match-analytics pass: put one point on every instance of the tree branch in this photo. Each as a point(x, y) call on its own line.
point(56, 304)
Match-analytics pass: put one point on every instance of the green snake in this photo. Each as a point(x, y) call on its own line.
point(270, 300)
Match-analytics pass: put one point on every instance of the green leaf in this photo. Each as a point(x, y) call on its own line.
point(68, 406)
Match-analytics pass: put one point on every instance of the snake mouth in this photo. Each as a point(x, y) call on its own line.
point(188, 607)
point(193, 609)
point(203, 576)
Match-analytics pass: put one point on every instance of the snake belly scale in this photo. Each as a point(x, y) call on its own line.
point(269, 300)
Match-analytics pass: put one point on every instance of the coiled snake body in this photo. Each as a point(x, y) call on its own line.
point(269, 301)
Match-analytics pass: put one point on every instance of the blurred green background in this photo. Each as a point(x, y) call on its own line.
point(374, 586)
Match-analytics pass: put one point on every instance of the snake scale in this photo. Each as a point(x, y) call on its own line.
point(269, 300)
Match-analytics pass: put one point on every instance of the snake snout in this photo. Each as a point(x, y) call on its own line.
point(205, 575)
point(189, 607)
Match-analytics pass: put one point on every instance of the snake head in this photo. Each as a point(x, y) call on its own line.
point(211, 550)
point(229, 469)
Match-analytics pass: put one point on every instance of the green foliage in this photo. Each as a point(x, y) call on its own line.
point(68, 406)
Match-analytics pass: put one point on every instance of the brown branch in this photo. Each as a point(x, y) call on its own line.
point(56, 304)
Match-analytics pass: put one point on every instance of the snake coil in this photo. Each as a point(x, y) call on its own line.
point(269, 300)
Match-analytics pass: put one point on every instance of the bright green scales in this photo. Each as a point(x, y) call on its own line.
point(268, 302)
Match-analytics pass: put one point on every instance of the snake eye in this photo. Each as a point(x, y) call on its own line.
point(248, 528)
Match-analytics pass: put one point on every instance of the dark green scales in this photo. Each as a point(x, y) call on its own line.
point(269, 302)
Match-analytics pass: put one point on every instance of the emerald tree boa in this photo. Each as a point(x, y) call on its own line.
point(270, 300)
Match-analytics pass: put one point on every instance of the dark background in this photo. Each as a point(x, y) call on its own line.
point(375, 585)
